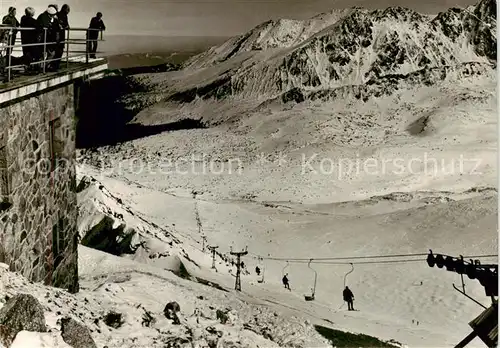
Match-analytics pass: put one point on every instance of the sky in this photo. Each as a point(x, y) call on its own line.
point(207, 17)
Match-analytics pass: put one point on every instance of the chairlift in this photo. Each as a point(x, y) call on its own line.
point(283, 270)
point(345, 277)
point(262, 269)
point(262, 279)
point(311, 298)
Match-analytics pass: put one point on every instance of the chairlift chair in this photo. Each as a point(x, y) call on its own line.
point(262, 270)
point(307, 297)
point(262, 279)
point(345, 276)
point(283, 270)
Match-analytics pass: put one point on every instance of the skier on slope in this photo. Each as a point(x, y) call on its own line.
point(285, 282)
point(349, 298)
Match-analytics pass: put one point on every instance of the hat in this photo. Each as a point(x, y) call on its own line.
point(51, 10)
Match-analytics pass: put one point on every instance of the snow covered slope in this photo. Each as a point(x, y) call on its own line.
point(391, 297)
point(111, 284)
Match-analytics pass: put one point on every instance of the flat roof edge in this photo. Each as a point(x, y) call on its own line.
point(65, 76)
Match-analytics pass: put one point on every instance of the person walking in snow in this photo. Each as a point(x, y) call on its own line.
point(257, 270)
point(349, 298)
point(285, 282)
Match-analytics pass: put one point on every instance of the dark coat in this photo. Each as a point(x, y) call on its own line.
point(63, 20)
point(28, 36)
point(53, 28)
point(348, 295)
point(10, 21)
point(95, 23)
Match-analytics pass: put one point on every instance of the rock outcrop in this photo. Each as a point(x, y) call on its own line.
point(22, 312)
point(76, 334)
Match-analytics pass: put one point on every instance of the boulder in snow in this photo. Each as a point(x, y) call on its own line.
point(170, 311)
point(83, 184)
point(7, 336)
point(76, 334)
point(113, 319)
point(222, 316)
point(21, 312)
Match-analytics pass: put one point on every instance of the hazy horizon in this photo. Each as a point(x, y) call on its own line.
point(207, 18)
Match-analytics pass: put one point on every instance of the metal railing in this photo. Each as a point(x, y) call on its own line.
point(7, 47)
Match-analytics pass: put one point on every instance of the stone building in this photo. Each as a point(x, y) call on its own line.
point(38, 206)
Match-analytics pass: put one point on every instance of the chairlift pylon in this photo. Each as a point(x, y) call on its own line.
point(311, 298)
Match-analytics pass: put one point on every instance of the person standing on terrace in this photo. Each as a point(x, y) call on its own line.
point(28, 36)
point(10, 20)
point(62, 17)
point(96, 25)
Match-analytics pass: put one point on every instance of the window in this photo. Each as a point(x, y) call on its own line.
point(4, 180)
point(56, 143)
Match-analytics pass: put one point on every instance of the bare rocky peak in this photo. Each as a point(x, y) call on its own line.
point(355, 47)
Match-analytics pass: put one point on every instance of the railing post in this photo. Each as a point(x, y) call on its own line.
point(9, 52)
point(67, 50)
point(44, 47)
point(87, 44)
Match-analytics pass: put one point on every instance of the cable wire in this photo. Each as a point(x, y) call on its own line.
point(360, 257)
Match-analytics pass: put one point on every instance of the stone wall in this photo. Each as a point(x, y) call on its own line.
point(38, 232)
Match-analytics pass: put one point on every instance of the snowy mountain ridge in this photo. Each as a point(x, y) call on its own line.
point(350, 47)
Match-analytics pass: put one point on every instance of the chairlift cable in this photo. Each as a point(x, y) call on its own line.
point(362, 257)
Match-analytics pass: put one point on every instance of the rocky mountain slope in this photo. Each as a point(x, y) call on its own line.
point(347, 49)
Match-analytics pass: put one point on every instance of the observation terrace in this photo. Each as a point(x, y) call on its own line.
point(38, 113)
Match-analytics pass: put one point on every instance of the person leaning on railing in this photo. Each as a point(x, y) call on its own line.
point(47, 29)
point(9, 36)
point(62, 17)
point(95, 27)
point(29, 37)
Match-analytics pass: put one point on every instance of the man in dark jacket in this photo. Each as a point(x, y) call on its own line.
point(47, 23)
point(62, 17)
point(286, 282)
point(10, 20)
point(349, 298)
point(29, 37)
point(96, 25)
